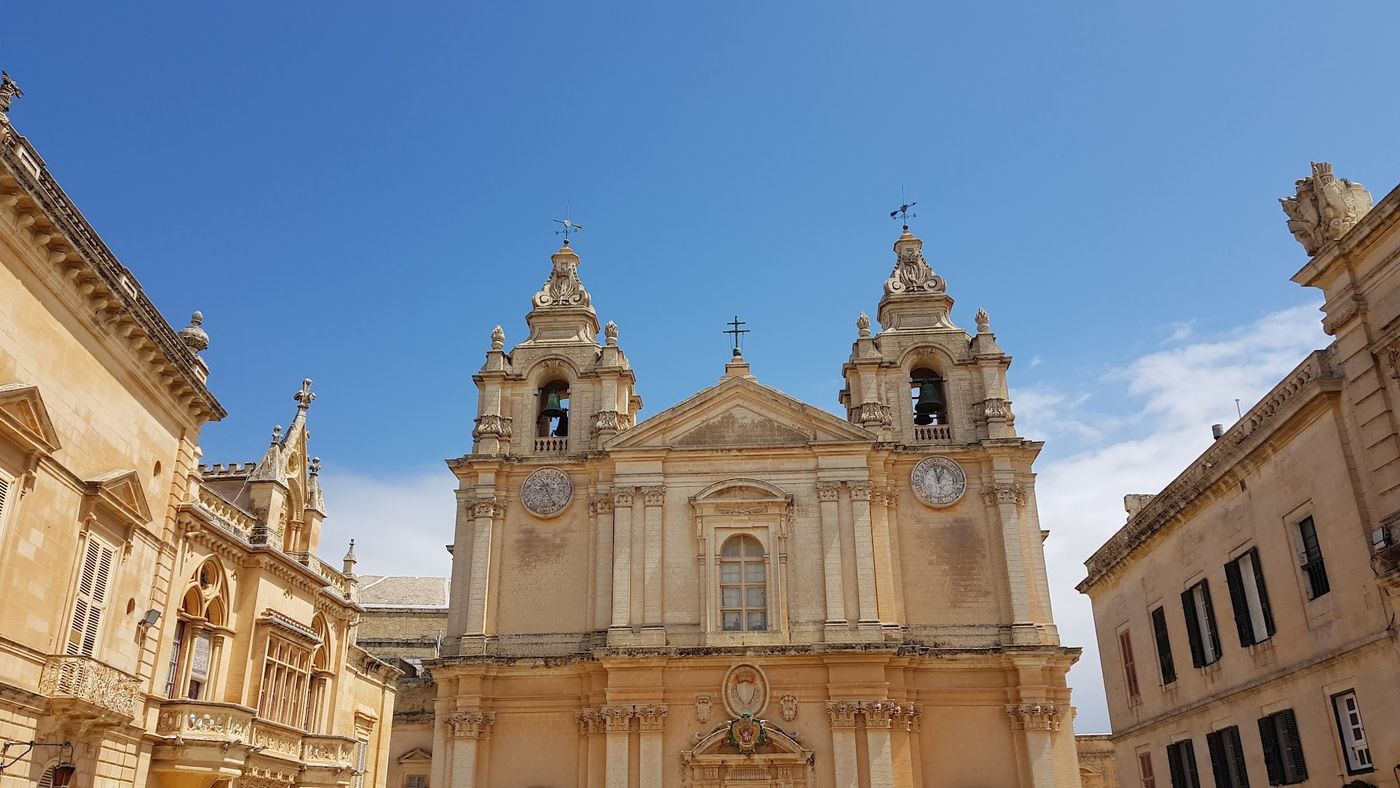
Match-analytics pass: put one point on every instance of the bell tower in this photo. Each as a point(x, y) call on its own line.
point(559, 391)
point(922, 379)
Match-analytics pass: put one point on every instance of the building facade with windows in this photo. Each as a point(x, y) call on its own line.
point(162, 623)
point(1246, 614)
point(744, 589)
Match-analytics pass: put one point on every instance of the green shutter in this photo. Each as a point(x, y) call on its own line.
point(1193, 628)
point(1238, 603)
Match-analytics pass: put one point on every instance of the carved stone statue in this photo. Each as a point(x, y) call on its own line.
point(8, 91)
point(1324, 208)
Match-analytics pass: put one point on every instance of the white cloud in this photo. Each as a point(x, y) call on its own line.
point(400, 522)
point(1166, 403)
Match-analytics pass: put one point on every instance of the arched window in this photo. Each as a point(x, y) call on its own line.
point(743, 585)
point(204, 607)
point(553, 421)
point(930, 402)
point(320, 678)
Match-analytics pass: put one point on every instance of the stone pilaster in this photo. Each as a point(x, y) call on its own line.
point(843, 715)
point(617, 725)
point(865, 553)
point(602, 507)
point(622, 561)
point(652, 577)
point(1007, 498)
point(466, 730)
point(1035, 724)
point(485, 512)
point(828, 497)
point(651, 719)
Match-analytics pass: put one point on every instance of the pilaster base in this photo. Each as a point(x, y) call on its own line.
point(475, 645)
point(1027, 633)
point(652, 636)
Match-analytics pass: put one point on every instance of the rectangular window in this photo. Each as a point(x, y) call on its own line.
point(1181, 759)
point(1227, 758)
point(1313, 567)
point(286, 671)
point(1283, 750)
point(1125, 651)
point(1254, 621)
point(361, 759)
point(174, 671)
point(1358, 753)
point(1200, 625)
point(94, 584)
point(1164, 646)
point(415, 781)
point(1149, 780)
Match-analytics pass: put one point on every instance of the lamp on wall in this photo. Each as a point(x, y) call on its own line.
point(149, 620)
point(62, 772)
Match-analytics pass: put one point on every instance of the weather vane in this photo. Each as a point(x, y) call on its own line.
point(905, 211)
point(569, 228)
point(737, 332)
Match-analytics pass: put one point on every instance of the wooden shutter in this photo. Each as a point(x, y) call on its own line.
point(1149, 780)
point(1125, 650)
point(1263, 592)
point(1235, 582)
point(94, 582)
point(1268, 740)
point(1193, 628)
point(1188, 751)
point(1212, 631)
point(1174, 765)
point(1164, 645)
point(4, 495)
point(1235, 749)
point(1292, 746)
point(1218, 767)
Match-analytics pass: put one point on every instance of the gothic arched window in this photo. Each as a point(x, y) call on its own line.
point(320, 678)
point(930, 399)
point(204, 608)
point(743, 585)
point(553, 420)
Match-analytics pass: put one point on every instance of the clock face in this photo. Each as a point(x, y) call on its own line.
point(938, 481)
point(547, 491)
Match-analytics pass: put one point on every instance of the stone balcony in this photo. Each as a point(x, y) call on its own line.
point(225, 723)
point(82, 688)
point(933, 433)
point(551, 445)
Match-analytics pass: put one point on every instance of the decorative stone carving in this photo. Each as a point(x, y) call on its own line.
point(1005, 492)
point(622, 498)
point(547, 491)
point(1324, 207)
point(702, 708)
point(194, 336)
point(860, 490)
point(491, 424)
point(654, 496)
point(204, 724)
point(880, 713)
point(472, 724)
point(91, 682)
point(912, 273)
point(996, 408)
point(487, 507)
point(828, 491)
point(789, 705)
point(563, 288)
point(1033, 716)
point(984, 321)
point(1342, 313)
point(607, 421)
point(616, 719)
point(588, 722)
point(651, 717)
point(601, 504)
point(938, 481)
point(745, 690)
point(863, 325)
point(747, 733)
point(8, 91)
point(498, 338)
point(874, 413)
point(843, 712)
point(610, 333)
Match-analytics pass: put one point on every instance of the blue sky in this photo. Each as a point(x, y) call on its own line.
point(358, 195)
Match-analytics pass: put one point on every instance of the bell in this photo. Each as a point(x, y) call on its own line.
point(561, 430)
point(552, 407)
point(930, 401)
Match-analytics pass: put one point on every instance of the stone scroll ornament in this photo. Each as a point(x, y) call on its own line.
point(547, 491)
point(938, 481)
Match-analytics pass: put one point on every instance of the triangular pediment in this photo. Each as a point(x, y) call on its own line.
point(739, 412)
point(120, 493)
point(24, 418)
point(417, 755)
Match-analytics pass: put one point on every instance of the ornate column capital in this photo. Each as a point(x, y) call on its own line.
point(488, 506)
point(492, 425)
point(471, 724)
point(651, 716)
point(860, 490)
point(1005, 492)
point(616, 719)
point(880, 713)
point(589, 722)
point(601, 504)
point(843, 712)
point(622, 496)
point(654, 496)
point(886, 496)
point(1033, 716)
point(827, 491)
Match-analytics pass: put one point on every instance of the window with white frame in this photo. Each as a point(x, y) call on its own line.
point(1254, 620)
point(90, 602)
point(1201, 630)
point(1354, 747)
point(743, 585)
point(286, 671)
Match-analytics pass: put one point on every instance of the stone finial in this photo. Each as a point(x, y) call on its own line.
point(863, 325)
point(610, 332)
point(498, 338)
point(277, 434)
point(348, 563)
point(1324, 207)
point(563, 287)
point(912, 273)
point(9, 89)
point(305, 396)
point(984, 322)
point(194, 336)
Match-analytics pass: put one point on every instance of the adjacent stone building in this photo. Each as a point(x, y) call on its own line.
point(162, 623)
point(745, 589)
point(1246, 614)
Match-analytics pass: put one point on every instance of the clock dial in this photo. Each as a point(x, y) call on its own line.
point(938, 481)
point(547, 491)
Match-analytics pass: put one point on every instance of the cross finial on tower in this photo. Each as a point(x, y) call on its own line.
point(306, 396)
point(569, 228)
point(738, 332)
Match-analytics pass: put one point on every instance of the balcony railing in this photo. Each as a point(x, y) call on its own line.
point(88, 688)
point(278, 739)
point(202, 721)
point(330, 573)
point(933, 433)
point(334, 751)
point(551, 445)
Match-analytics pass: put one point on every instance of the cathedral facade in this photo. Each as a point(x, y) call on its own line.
point(745, 589)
